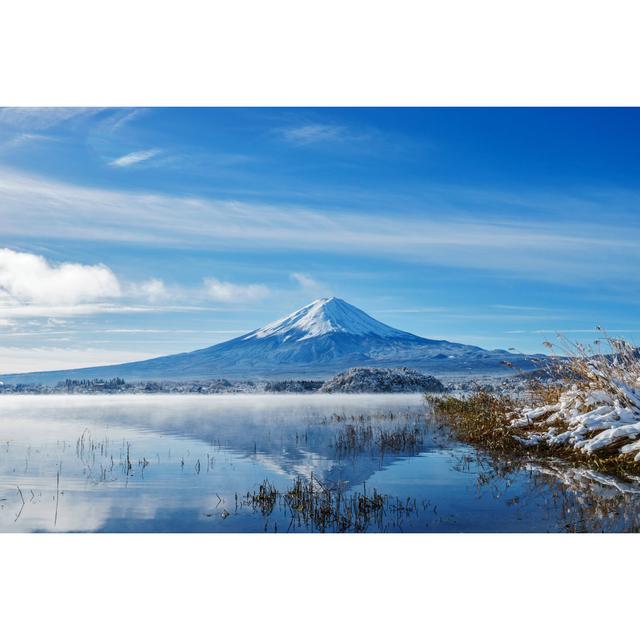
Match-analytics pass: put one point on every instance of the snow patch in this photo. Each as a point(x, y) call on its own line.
point(586, 418)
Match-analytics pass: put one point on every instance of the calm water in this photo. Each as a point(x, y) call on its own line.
point(192, 463)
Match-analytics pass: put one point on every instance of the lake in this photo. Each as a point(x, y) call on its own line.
point(277, 463)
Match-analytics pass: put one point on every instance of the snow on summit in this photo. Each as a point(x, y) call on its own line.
point(325, 316)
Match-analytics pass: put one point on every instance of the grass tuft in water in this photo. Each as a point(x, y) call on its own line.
point(263, 499)
point(314, 506)
point(360, 437)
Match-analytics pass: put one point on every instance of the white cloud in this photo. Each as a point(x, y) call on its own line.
point(304, 280)
point(313, 133)
point(228, 292)
point(26, 278)
point(310, 285)
point(134, 158)
point(31, 288)
point(153, 290)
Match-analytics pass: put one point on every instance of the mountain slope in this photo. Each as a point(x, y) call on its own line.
point(320, 339)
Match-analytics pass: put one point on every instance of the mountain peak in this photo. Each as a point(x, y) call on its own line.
point(324, 316)
point(322, 338)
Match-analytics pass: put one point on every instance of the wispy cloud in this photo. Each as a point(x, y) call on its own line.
point(178, 331)
point(121, 118)
point(71, 311)
point(343, 138)
point(134, 158)
point(548, 249)
point(310, 286)
point(228, 292)
point(22, 139)
point(313, 133)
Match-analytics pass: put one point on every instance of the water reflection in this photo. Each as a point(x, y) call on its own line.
point(153, 463)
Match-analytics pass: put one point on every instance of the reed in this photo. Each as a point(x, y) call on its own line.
point(584, 408)
point(481, 418)
point(263, 499)
point(316, 506)
point(355, 438)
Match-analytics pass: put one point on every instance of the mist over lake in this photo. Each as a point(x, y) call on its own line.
point(203, 463)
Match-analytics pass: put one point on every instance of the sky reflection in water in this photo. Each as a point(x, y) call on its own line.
point(186, 463)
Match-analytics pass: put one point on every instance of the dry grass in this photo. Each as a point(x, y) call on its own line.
point(407, 438)
point(323, 509)
point(264, 499)
point(481, 419)
point(610, 368)
point(357, 438)
point(354, 438)
point(315, 506)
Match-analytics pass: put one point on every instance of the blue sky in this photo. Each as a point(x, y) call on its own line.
point(127, 233)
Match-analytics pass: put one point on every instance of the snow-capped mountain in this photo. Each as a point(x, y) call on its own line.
point(325, 316)
point(323, 338)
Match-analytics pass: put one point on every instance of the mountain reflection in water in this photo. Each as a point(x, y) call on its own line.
point(197, 463)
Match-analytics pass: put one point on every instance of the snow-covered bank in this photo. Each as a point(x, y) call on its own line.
point(589, 420)
point(584, 407)
point(598, 414)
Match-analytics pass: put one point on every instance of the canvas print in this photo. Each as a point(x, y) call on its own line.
point(296, 320)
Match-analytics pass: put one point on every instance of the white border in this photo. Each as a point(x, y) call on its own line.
point(313, 586)
point(289, 52)
point(329, 52)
